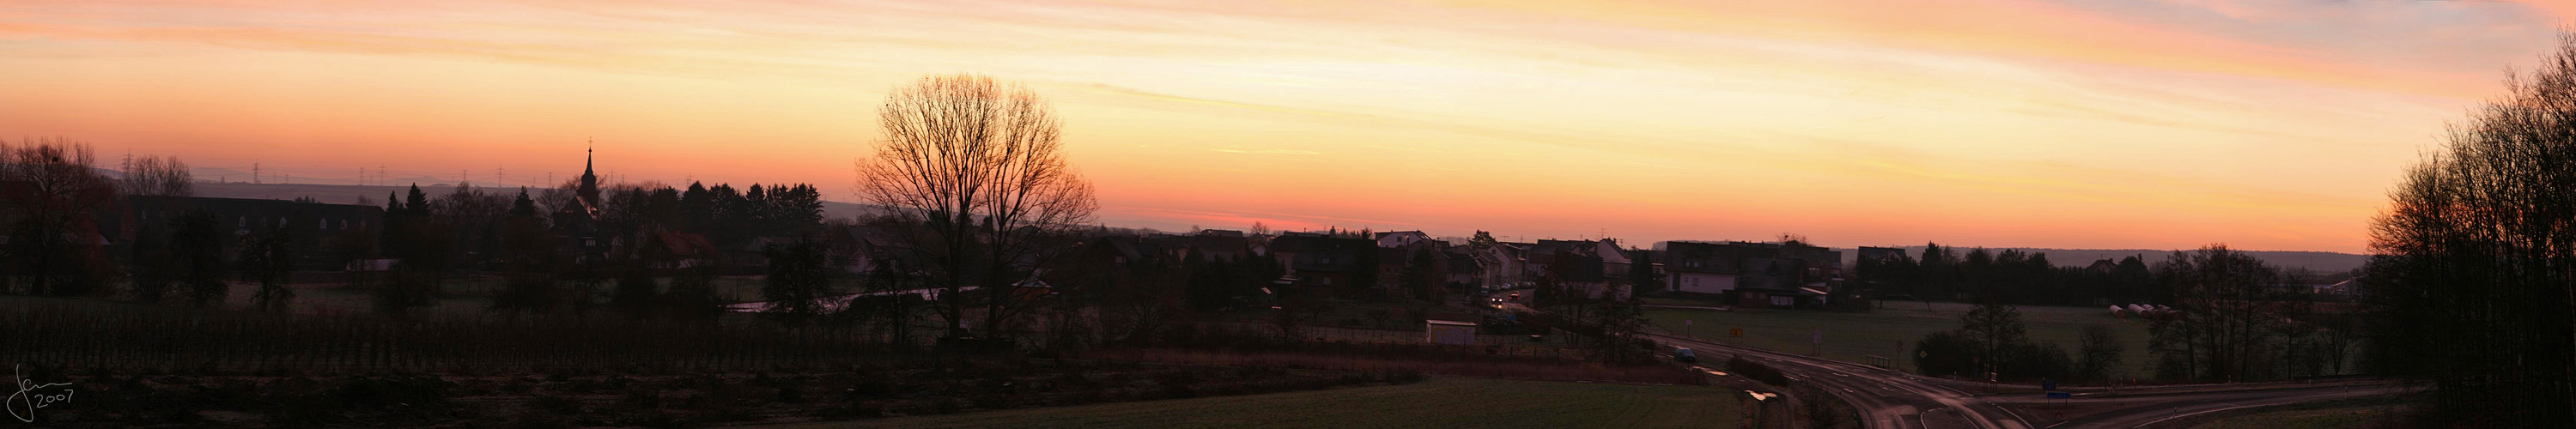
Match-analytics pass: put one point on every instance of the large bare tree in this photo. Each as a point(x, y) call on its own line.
point(51, 187)
point(2474, 284)
point(978, 167)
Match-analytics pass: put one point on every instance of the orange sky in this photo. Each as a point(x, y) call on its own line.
point(2266, 124)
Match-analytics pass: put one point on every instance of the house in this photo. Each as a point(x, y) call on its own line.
point(1216, 245)
point(1325, 265)
point(1395, 239)
point(1463, 270)
point(1395, 264)
point(1880, 254)
point(683, 250)
point(1614, 262)
point(1760, 272)
point(2103, 266)
point(1504, 264)
point(863, 249)
point(1578, 274)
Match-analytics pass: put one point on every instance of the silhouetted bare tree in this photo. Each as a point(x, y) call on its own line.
point(799, 275)
point(2477, 256)
point(2225, 323)
point(165, 176)
point(979, 165)
point(53, 188)
point(197, 257)
point(267, 258)
point(2098, 351)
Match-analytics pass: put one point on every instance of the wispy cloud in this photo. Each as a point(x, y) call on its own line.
point(2260, 109)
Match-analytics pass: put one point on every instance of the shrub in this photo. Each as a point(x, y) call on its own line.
point(1756, 371)
point(1944, 353)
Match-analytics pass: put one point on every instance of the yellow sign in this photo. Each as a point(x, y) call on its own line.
point(1735, 332)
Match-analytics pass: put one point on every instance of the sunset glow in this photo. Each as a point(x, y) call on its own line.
point(2265, 124)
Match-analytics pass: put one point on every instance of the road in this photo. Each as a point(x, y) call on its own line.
point(2169, 407)
point(1890, 399)
point(1886, 399)
point(1897, 400)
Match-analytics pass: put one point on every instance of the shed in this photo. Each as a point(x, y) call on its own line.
point(1449, 332)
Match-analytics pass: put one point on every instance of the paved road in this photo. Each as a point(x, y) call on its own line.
point(1897, 400)
point(1890, 399)
point(2176, 406)
point(1886, 399)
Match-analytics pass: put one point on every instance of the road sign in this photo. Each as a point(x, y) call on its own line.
point(1819, 339)
point(2060, 395)
point(1735, 332)
point(2048, 385)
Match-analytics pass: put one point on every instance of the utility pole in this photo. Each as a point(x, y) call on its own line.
point(254, 172)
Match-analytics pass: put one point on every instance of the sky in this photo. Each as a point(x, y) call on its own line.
point(2164, 124)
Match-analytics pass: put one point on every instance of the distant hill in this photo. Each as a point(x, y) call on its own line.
point(2326, 262)
point(375, 195)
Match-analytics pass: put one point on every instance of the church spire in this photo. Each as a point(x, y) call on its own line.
point(588, 192)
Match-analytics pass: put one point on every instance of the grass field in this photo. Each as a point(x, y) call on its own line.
point(1891, 330)
point(1436, 403)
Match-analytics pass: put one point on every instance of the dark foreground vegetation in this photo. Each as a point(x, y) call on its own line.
point(2475, 283)
point(631, 397)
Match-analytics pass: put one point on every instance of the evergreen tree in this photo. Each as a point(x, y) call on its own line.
point(417, 203)
point(523, 207)
point(1642, 276)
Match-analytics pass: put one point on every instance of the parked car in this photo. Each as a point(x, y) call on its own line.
point(1684, 355)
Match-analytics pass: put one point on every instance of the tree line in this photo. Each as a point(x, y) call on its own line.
point(2011, 276)
point(2474, 283)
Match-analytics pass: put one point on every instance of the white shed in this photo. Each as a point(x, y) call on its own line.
point(1449, 332)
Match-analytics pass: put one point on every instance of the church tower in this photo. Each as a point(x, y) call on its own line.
point(589, 190)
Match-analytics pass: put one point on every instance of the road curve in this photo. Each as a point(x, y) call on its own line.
point(1890, 399)
point(2186, 405)
point(1885, 398)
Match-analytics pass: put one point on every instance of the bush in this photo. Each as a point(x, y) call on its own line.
point(1756, 371)
point(1825, 411)
point(2039, 360)
point(1944, 353)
